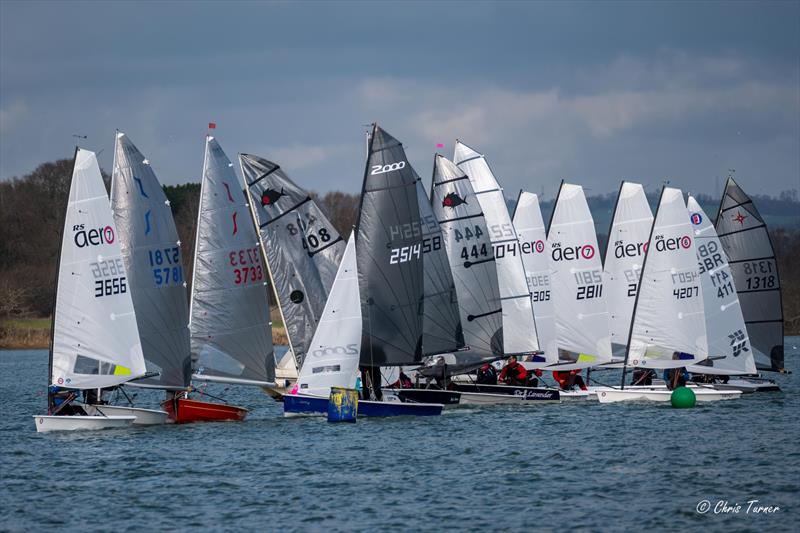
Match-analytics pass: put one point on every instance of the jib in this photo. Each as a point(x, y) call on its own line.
point(93, 237)
point(630, 250)
point(571, 253)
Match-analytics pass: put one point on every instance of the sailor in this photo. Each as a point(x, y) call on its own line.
point(567, 379)
point(403, 382)
point(514, 373)
point(487, 375)
point(643, 376)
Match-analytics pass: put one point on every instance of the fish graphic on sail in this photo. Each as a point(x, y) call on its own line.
point(151, 252)
point(519, 326)
point(622, 266)
point(302, 247)
point(535, 251)
point(576, 277)
point(231, 336)
point(728, 345)
point(751, 256)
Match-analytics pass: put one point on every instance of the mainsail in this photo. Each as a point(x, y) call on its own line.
point(576, 276)
point(230, 327)
point(625, 249)
point(390, 259)
point(519, 326)
point(333, 354)
point(725, 329)
point(151, 251)
point(535, 251)
point(469, 250)
point(303, 249)
point(95, 338)
point(441, 323)
point(668, 328)
point(747, 243)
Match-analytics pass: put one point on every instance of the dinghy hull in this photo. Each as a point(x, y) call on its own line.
point(475, 394)
point(184, 411)
point(144, 417)
point(302, 405)
point(46, 423)
point(661, 395)
point(447, 398)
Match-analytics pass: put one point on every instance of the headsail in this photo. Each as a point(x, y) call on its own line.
point(535, 251)
point(152, 254)
point(746, 242)
point(519, 326)
point(576, 275)
point(95, 337)
point(302, 247)
point(333, 354)
point(725, 329)
point(441, 323)
point(668, 328)
point(622, 266)
point(229, 308)
point(469, 249)
point(389, 252)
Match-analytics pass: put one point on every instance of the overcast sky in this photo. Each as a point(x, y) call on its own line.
point(591, 92)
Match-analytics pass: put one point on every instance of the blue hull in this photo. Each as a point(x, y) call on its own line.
point(299, 405)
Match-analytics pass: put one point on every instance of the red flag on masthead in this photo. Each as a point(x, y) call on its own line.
point(212, 125)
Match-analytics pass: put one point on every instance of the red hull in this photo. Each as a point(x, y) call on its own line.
point(183, 410)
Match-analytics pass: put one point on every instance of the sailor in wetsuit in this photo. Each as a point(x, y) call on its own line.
point(487, 375)
point(403, 382)
point(514, 373)
point(568, 379)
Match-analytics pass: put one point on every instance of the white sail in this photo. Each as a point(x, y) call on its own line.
point(669, 328)
point(229, 321)
point(95, 338)
point(532, 235)
point(335, 349)
point(519, 326)
point(576, 276)
point(725, 329)
point(627, 244)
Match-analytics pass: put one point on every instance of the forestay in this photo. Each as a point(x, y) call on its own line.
point(725, 329)
point(231, 335)
point(519, 327)
point(151, 251)
point(668, 328)
point(747, 243)
point(95, 336)
point(529, 225)
point(576, 276)
point(302, 247)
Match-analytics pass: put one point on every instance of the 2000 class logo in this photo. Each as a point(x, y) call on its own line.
point(92, 237)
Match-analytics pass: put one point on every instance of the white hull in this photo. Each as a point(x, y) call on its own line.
point(46, 423)
point(576, 395)
point(484, 398)
point(144, 417)
point(609, 395)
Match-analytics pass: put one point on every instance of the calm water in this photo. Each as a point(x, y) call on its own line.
point(588, 467)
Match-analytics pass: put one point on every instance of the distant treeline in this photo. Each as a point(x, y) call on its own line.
point(32, 210)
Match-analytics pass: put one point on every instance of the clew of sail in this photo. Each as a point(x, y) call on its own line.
point(229, 308)
point(535, 251)
point(725, 329)
point(95, 337)
point(151, 251)
point(747, 243)
point(519, 326)
point(668, 328)
point(302, 248)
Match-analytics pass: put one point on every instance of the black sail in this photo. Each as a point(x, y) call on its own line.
point(389, 256)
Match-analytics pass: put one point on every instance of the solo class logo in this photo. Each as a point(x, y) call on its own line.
point(270, 196)
point(92, 237)
point(452, 200)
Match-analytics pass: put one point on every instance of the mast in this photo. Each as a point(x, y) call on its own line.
point(611, 223)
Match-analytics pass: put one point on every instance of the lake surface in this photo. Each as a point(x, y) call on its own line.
point(578, 466)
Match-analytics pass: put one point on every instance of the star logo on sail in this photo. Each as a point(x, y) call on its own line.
point(270, 196)
point(739, 218)
point(453, 200)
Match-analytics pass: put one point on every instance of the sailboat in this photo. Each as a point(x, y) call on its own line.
point(231, 333)
point(152, 255)
point(668, 327)
point(302, 250)
point(95, 340)
point(747, 244)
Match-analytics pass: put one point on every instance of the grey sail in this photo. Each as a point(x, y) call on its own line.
point(231, 335)
point(151, 251)
point(389, 256)
point(441, 323)
point(472, 262)
point(303, 249)
point(751, 257)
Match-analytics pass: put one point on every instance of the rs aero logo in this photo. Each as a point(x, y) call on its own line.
point(572, 253)
point(672, 243)
point(630, 249)
point(383, 169)
point(92, 237)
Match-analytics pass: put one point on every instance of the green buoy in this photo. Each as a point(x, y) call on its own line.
point(683, 398)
